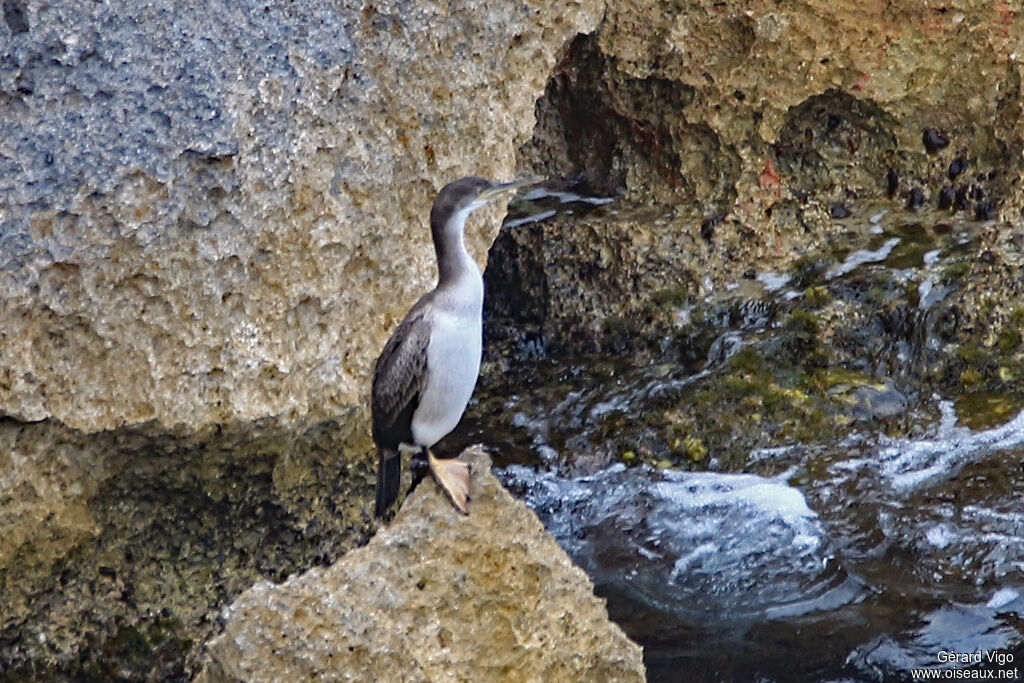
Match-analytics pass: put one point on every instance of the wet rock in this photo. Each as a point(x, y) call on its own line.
point(878, 402)
point(956, 167)
point(814, 150)
point(434, 595)
point(946, 196)
point(217, 211)
point(717, 108)
point(961, 201)
point(892, 183)
point(915, 199)
point(985, 211)
point(839, 211)
point(579, 293)
point(934, 141)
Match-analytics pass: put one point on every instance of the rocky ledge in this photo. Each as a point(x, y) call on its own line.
point(434, 596)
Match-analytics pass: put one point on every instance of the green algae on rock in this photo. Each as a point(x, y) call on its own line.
point(865, 329)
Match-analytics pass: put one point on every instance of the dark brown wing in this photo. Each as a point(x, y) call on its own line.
point(398, 380)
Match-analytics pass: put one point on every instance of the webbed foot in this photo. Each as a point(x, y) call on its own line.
point(452, 475)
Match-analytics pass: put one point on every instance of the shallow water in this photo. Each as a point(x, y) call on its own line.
point(882, 532)
point(702, 566)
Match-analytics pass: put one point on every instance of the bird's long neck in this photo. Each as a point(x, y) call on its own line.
point(454, 262)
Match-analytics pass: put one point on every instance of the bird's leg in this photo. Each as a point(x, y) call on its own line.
point(452, 475)
point(419, 466)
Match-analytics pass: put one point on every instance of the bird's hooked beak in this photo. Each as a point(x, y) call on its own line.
point(502, 189)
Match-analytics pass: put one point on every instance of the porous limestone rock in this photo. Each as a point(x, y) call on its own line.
point(120, 548)
point(434, 596)
point(738, 127)
point(734, 104)
point(216, 211)
point(749, 141)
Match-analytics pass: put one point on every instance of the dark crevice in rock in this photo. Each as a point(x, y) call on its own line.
point(516, 283)
point(567, 286)
point(596, 120)
point(573, 116)
point(14, 16)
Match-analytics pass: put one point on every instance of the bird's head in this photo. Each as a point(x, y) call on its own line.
point(461, 197)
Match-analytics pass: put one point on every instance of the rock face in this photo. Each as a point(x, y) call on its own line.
point(211, 216)
point(757, 141)
point(120, 548)
point(727, 103)
point(742, 129)
point(216, 211)
point(434, 596)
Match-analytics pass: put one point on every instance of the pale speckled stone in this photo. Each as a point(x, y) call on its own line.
point(221, 217)
point(435, 596)
point(752, 64)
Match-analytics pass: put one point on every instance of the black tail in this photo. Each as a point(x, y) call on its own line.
point(389, 479)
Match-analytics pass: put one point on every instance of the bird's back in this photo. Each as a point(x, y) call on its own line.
point(399, 377)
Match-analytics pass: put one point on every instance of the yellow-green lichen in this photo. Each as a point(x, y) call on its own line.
point(695, 449)
point(969, 377)
point(984, 409)
point(817, 296)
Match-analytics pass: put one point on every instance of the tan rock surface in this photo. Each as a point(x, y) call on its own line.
point(120, 548)
point(750, 69)
point(434, 596)
point(226, 226)
point(208, 226)
point(738, 127)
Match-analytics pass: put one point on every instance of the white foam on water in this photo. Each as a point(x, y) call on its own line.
point(923, 290)
point(948, 420)
point(761, 454)
point(932, 257)
point(1002, 598)
point(910, 465)
point(862, 256)
point(737, 546)
point(941, 535)
point(773, 282)
point(773, 497)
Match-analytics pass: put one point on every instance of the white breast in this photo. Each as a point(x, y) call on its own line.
point(453, 363)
